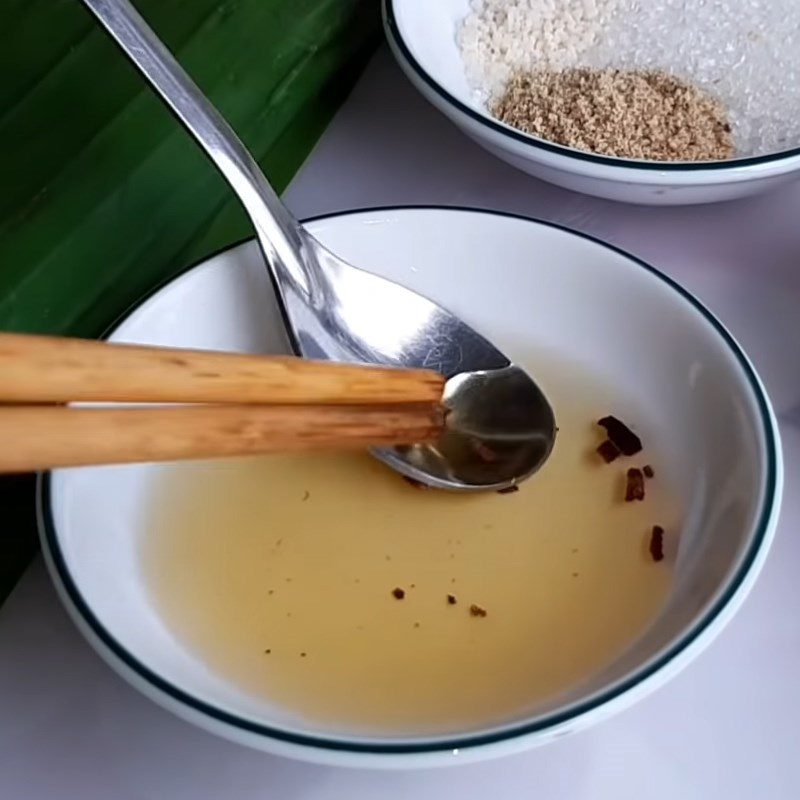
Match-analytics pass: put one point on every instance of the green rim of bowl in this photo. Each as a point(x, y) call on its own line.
point(50, 542)
point(396, 38)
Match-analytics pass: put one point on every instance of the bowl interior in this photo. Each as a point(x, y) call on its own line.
point(429, 32)
point(523, 284)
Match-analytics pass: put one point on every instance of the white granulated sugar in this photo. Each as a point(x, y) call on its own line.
point(746, 53)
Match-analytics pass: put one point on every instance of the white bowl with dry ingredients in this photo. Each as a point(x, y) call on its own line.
point(320, 607)
point(643, 101)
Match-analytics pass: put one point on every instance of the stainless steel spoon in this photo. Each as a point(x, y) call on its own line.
point(500, 428)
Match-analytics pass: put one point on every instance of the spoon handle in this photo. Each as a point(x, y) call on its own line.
point(285, 245)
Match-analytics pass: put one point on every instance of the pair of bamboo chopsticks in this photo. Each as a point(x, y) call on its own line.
point(227, 404)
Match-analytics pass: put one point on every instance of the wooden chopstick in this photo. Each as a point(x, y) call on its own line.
point(43, 437)
point(42, 369)
point(229, 404)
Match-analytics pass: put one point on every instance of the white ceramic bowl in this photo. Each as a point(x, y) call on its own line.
point(547, 287)
point(421, 34)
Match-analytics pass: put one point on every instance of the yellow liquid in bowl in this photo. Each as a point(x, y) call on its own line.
point(279, 573)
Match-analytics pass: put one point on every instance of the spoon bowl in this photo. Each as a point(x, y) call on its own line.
point(501, 427)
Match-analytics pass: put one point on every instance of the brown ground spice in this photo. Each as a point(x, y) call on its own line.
point(627, 113)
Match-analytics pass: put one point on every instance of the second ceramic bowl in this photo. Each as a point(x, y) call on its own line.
point(422, 36)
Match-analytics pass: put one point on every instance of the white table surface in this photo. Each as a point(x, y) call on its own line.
point(727, 727)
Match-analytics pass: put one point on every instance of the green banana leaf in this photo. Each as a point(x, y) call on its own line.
point(103, 194)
